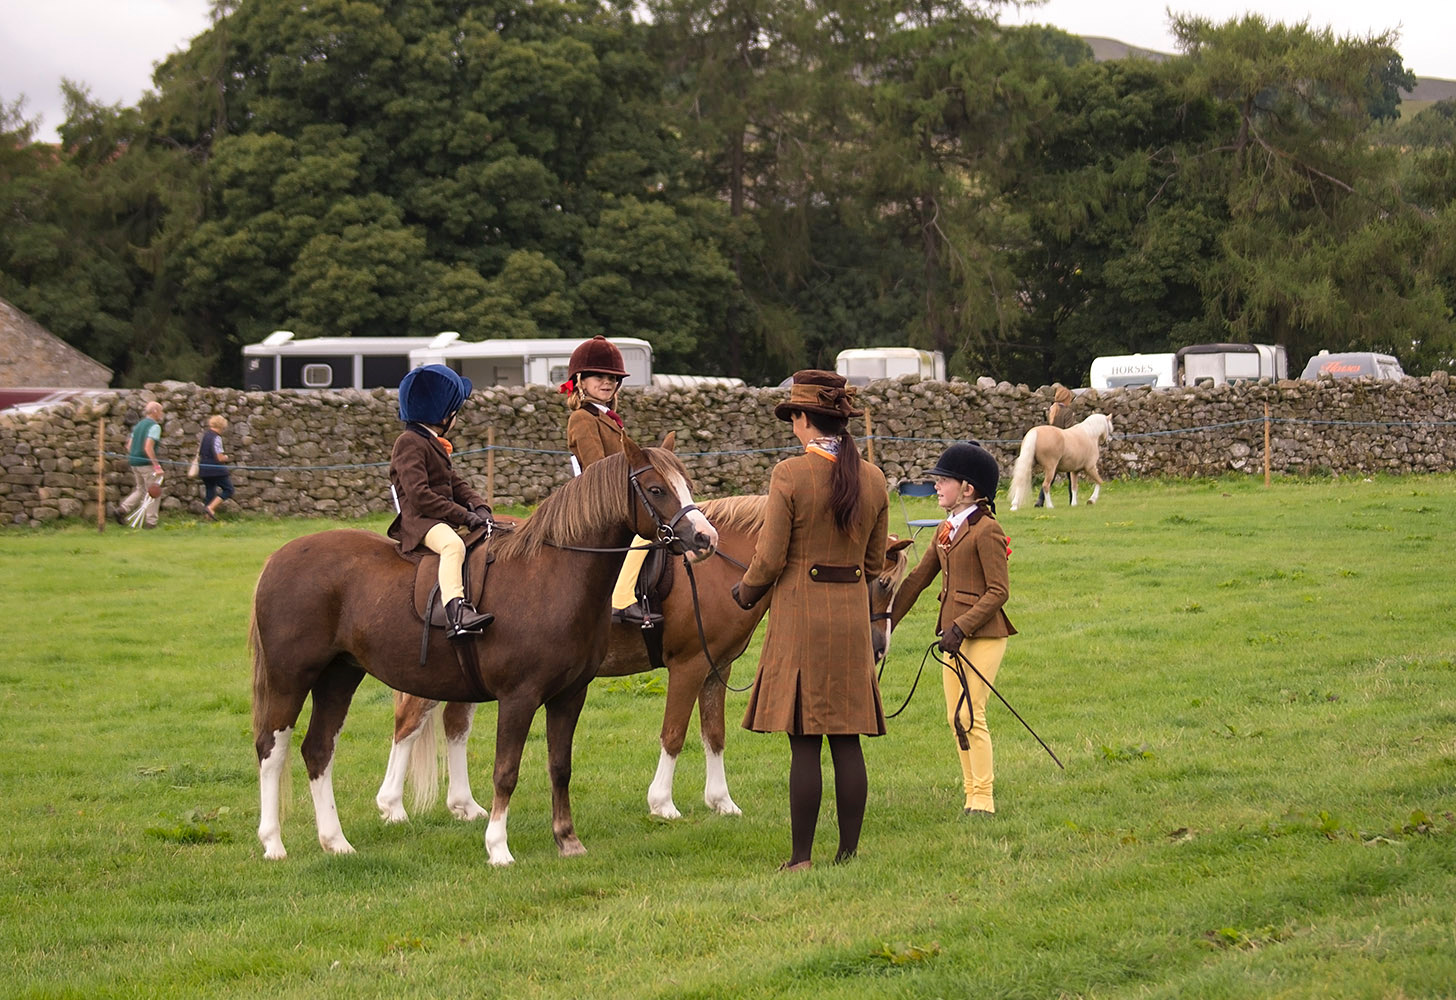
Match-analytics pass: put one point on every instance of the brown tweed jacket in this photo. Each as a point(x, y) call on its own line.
point(428, 489)
point(816, 672)
point(974, 581)
point(592, 435)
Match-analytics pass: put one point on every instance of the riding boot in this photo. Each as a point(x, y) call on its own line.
point(633, 614)
point(464, 619)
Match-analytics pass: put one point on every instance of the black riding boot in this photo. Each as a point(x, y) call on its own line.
point(633, 614)
point(464, 619)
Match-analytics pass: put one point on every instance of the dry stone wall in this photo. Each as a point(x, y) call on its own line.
point(326, 453)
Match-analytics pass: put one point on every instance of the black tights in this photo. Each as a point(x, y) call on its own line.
point(806, 789)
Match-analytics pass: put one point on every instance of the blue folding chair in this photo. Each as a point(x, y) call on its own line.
point(916, 488)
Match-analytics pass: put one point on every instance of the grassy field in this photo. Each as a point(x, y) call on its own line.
point(1253, 691)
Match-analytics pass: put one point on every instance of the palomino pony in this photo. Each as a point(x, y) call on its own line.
point(1054, 450)
point(333, 606)
point(727, 629)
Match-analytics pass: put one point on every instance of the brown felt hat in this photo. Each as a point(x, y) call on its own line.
point(825, 393)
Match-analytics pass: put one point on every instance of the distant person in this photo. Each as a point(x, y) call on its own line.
point(146, 467)
point(823, 538)
point(1059, 414)
point(594, 430)
point(212, 467)
point(970, 551)
point(433, 500)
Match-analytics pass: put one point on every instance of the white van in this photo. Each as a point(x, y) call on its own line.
point(865, 364)
point(1221, 364)
point(1122, 370)
point(525, 362)
point(1353, 364)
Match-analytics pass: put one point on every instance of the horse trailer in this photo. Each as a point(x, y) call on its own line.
point(280, 362)
point(1197, 364)
point(865, 364)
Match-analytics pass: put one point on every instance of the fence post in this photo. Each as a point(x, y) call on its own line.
point(1266, 444)
point(490, 465)
point(101, 474)
point(869, 435)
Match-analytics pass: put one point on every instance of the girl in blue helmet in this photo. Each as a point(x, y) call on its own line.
point(433, 500)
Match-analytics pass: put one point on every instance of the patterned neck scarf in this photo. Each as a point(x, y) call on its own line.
point(826, 446)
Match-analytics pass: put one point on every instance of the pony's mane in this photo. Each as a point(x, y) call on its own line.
point(581, 510)
point(735, 513)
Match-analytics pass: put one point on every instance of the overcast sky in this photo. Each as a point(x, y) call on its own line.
point(111, 45)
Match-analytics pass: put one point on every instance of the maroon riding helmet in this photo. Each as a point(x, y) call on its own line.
point(598, 356)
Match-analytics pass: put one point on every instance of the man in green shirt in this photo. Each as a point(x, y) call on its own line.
point(146, 469)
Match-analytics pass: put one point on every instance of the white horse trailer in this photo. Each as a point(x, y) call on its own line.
point(280, 362)
point(1220, 364)
point(528, 362)
point(864, 364)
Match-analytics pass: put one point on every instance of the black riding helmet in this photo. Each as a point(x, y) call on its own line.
point(970, 463)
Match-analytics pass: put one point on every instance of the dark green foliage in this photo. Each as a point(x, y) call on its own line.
point(751, 185)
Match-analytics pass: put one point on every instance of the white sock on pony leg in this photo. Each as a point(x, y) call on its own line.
point(270, 781)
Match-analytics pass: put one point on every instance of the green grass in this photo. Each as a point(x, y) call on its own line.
point(1252, 691)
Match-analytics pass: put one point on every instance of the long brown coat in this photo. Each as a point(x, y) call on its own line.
point(816, 673)
point(592, 435)
point(428, 489)
point(974, 582)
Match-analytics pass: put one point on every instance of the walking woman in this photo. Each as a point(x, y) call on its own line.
point(212, 465)
point(823, 539)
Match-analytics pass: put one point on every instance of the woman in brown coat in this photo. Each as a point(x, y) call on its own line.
point(823, 538)
point(970, 556)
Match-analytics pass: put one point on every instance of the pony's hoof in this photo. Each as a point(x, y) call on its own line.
point(468, 811)
point(336, 845)
point(502, 860)
point(274, 853)
point(571, 847)
point(392, 812)
point(665, 810)
point(725, 807)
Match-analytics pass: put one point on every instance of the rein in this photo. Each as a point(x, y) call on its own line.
point(702, 634)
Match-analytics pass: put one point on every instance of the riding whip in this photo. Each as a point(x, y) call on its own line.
point(960, 659)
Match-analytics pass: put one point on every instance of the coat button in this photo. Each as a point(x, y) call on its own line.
point(814, 572)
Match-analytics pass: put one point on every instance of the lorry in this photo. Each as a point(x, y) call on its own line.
point(1197, 364)
point(865, 364)
point(282, 362)
point(1353, 364)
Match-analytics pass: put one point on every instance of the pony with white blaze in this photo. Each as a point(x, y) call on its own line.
point(1051, 449)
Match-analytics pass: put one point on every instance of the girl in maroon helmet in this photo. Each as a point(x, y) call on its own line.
point(595, 430)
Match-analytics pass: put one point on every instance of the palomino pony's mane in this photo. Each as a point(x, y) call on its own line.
point(735, 513)
point(578, 512)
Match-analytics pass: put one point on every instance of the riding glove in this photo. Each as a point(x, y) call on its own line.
point(951, 640)
point(747, 595)
point(474, 519)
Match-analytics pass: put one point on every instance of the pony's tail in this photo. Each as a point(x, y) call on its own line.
point(423, 770)
point(1021, 474)
point(260, 701)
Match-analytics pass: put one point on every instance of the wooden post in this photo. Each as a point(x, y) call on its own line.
point(490, 465)
point(1266, 444)
point(869, 436)
point(101, 474)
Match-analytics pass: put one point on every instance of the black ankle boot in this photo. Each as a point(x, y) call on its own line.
point(464, 619)
point(633, 614)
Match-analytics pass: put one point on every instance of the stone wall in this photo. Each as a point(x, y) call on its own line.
point(312, 453)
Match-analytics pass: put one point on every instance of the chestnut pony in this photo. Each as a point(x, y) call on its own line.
point(333, 606)
point(727, 629)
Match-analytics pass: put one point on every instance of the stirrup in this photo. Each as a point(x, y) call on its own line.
point(464, 620)
point(633, 614)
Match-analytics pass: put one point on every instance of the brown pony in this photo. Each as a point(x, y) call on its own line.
point(727, 629)
point(1055, 450)
point(333, 606)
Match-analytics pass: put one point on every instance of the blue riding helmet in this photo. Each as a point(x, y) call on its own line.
point(430, 394)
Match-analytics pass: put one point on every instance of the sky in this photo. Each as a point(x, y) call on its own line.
point(110, 46)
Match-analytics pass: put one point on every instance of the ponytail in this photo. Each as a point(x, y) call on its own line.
point(844, 495)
